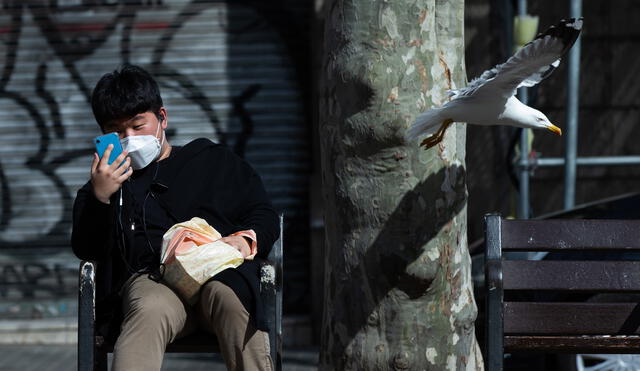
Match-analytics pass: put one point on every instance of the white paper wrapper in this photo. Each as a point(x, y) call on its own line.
point(194, 256)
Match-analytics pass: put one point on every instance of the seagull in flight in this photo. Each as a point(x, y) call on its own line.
point(490, 99)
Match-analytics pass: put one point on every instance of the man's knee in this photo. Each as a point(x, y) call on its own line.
point(219, 299)
point(155, 306)
point(216, 289)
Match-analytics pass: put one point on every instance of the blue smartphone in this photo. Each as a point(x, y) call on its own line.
point(103, 141)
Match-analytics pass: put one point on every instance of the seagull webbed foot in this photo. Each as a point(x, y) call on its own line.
point(438, 136)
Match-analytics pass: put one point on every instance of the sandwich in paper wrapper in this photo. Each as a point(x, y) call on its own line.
point(192, 253)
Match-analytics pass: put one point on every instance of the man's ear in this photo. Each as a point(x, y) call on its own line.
point(163, 118)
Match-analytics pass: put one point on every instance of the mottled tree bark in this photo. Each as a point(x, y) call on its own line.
point(398, 290)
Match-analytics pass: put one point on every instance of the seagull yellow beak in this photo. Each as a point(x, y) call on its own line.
point(555, 129)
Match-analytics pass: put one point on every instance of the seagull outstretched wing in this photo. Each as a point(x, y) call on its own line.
point(530, 65)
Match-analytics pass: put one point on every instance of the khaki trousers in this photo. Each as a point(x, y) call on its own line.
point(154, 316)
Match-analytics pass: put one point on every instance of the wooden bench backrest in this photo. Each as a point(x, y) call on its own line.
point(524, 325)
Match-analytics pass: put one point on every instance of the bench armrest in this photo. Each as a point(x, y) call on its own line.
point(86, 315)
point(271, 296)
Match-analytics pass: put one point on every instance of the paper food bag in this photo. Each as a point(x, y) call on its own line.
point(192, 253)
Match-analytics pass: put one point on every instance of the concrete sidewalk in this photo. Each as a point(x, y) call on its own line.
point(63, 358)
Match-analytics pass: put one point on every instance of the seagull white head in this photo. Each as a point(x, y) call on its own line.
point(537, 120)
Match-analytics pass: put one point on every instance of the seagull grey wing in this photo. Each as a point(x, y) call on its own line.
point(533, 62)
point(473, 85)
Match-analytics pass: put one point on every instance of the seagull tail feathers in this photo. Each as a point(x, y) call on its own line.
point(426, 123)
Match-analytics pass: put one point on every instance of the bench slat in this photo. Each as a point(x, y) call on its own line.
point(553, 235)
point(571, 318)
point(602, 276)
point(573, 344)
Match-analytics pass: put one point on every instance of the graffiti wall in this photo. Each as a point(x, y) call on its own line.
point(228, 71)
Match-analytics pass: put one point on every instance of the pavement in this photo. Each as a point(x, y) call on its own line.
point(33, 357)
point(49, 344)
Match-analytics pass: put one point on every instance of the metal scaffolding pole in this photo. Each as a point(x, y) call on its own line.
point(588, 161)
point(571, 141)
point(523, 196)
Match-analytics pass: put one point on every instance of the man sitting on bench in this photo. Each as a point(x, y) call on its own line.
point(121, 214)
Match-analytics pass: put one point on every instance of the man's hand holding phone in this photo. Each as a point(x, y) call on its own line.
point(107, 178)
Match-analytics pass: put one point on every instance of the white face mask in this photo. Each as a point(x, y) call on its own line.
point(143, 149)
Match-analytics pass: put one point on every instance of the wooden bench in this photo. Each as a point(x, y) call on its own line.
point(93, 349)
point(539, 314)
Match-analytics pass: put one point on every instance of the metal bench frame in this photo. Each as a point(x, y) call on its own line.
point(93, 350)
point(557, 326)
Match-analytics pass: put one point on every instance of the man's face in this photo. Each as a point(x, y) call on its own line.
point(141, 124)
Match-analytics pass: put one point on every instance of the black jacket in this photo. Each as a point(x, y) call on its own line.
point(201, 179)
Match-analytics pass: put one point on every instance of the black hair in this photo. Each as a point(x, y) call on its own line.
point(124, 93)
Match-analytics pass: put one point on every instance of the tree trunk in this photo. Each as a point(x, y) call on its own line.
point(398, 290)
